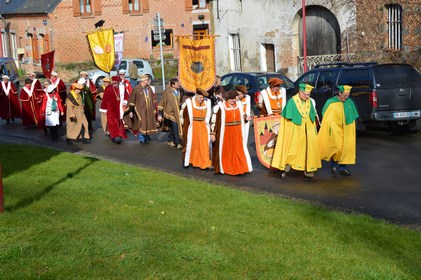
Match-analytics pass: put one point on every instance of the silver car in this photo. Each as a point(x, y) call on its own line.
point(144, 68)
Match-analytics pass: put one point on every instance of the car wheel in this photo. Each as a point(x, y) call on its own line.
point(99, 82)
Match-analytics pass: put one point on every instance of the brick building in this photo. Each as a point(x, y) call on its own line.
point(36, 27)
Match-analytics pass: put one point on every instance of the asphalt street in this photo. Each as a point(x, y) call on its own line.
point(384, 182)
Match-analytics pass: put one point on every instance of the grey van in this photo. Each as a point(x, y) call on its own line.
point(8, 67)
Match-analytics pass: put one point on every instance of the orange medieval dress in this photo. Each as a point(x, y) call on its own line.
point(233, 155)
point(196, 137)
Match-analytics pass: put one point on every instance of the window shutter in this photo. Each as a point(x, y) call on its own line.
point(126, 7)
point(76, 8)
point(97, 7)
point(188, 4)
point(145, 6)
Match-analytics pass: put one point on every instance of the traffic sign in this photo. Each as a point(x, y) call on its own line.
point(156, 31)
point(156, 37)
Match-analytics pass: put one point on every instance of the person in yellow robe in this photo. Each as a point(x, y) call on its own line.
point(296, 145)
point(337, 135)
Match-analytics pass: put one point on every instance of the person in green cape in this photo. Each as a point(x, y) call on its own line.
point(337, 135)
point(296, 145)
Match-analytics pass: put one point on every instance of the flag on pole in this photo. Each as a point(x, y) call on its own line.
point(47, 63)
point(118, 46)
point(102, 47)
point(197, 63)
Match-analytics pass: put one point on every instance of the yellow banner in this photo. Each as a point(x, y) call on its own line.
point(197, 63)
point(102, 47)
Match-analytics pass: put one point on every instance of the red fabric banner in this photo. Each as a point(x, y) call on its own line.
point(47, 63)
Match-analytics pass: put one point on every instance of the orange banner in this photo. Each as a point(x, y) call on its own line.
point(102, 47)
point(197, 63)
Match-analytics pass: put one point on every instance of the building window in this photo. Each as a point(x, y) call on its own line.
point(394, 26)
point(134, 6)
point(85, 7)
point(235, 51)
point(13, 45)
point(199, 4)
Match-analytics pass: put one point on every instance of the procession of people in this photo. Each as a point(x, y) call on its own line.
point(211, 128)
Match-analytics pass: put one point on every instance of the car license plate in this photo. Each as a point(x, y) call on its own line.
point(401, 115)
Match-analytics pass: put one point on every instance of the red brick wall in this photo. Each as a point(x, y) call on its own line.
point(69, 32)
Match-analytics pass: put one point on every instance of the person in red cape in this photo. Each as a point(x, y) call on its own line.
point(30, 106)
point(113, 101)
point(61, 90)
point(51, 110)
point(124, 81)
point(9, 101)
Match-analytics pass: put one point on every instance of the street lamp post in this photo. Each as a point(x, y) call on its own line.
point(304, 35)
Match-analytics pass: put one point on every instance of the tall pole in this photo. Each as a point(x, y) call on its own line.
point(304, 35)
point(160, 49)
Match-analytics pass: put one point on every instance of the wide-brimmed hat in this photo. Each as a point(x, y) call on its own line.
point(144, 78)
point(273, 82)
point(203, 92)
point(241, 89)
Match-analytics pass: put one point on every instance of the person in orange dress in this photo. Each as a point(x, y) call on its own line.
point(195, 115)
point(229, 154)
point(272, 100)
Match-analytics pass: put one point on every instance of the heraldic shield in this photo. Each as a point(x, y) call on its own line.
point(265, 133)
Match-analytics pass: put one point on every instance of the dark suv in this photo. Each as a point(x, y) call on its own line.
point(383, 93)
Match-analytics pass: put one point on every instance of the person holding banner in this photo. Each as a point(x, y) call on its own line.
point(9, 100)
point(36, 84)
point(229, 150)
point(337, 135)
point(296, 145)
point(30, 106)
point(272, 100)
point(140, 116)
point(244, 100)
point(195, 115)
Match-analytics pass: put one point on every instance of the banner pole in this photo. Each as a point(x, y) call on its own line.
point(158, 16)
point(1, 192)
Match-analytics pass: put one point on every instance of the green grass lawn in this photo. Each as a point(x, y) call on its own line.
point(69, 216)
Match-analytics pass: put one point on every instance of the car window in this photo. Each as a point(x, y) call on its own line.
point(123, 65)
point(308, 78)
point(262, 82)
point(325, 80)
point(396, 75)
point(139, 63)
point(9, 70)
point(358, 78)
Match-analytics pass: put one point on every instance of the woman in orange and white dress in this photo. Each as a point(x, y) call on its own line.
point(230, 154)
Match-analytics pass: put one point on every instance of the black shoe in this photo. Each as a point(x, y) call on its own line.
point(344, 172)
point(334, 171)
point(8, 121)
point(116, 140)
point(143, 143)
point(86, 141)
point(69, 141)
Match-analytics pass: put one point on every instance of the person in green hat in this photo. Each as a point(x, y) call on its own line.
point(296, 146)
point(337, 135)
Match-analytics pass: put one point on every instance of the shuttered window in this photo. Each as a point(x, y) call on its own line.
point(86, 7)
point(394, 26)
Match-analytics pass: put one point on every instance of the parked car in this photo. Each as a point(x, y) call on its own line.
point(8, 67)
point(144, 68)
point(383, 93)
point(255, 83)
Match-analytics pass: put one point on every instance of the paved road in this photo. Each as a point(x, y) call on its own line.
point(385, 182)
